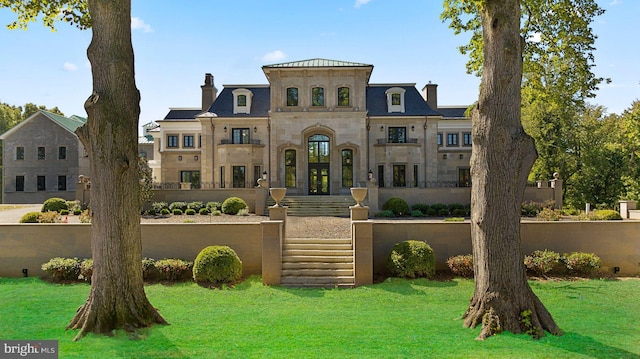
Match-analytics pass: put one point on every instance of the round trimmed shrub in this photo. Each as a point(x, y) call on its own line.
point(190, 212)
point(461, 265)
point(411, 259)
point(77, 211)
point(165, 211)
point(396, 205)
point(62, 269)
point(30, 217)
point(54, 205)
point(233, 205)
point(605, 215)
point(86, 270)
point(542, 262)
point(422, 207)
point(216, 265)
point(385, 214)
point(177, 212)
point(459, 212)
point(581, 263)
point(204, 211)
point(417, 213)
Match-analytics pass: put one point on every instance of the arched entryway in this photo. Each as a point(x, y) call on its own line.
point(319, 155)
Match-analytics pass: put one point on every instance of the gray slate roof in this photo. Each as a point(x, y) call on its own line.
point(260, 102)
point(317, 63)
point(414, 104)
point(453, 112)
point(180, 114)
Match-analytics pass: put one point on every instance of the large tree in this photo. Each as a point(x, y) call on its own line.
point(117, 298)
point(501, 159)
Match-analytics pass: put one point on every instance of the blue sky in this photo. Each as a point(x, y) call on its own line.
point(177, 42)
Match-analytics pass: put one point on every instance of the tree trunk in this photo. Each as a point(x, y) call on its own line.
point(500, 163)
point(117, 299)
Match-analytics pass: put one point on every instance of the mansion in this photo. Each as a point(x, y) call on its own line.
point(317, 128)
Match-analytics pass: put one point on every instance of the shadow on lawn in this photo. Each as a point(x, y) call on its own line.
point(580, 344)
point(411, 286)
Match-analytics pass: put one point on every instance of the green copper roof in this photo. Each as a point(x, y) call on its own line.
point(318, 63)
point(71, 124)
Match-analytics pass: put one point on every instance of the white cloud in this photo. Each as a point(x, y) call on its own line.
point(359, 3)
point(274, 56)
point(139, 24)
point(69, 66)
point(615, 2)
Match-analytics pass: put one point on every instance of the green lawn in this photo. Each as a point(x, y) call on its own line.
point(395, 319)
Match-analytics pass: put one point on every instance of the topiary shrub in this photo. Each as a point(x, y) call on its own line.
point(177, 212)
point(62, 269)
point(30, 217)
point(605, 215)
point(233, 205)
point(64, 212)
point(171, 269)
point(385, 214)
point(204, 211)
point(165, 211)
point(443, 212)
point(461, 265)
point(216, 212)
point(398, 206)
point(178, 205)
point(459, 212)
point(77, 211)
point(417, 213)
point(542, 262)
point(411, 259)
point(216, 265)
point(431, 212)
point(422, 207)
point(190, 212)
point(439, 206)
point(159, 206)
point(455, 206)
point(580, 263)
point(54, 205)
point(195, 205)
point(86, 270)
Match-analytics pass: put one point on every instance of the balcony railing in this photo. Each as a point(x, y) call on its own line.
point(228, 141)
point(382, 141)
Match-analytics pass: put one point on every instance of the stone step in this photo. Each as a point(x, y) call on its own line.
point(317, 246)
point(312, 272)
point(317, 258)
point(307, 206)
point(317, 241)
point(343, 281)
point(320, 252)
point(317, 265)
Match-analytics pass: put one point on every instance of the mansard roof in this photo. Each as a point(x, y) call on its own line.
point(182, 114)
point(317, 62)
point(414, 103)
point(260, 101)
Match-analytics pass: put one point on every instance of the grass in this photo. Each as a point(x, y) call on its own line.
point(394, 319)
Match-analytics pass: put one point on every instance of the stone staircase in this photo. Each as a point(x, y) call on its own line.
point(315, 206)
point(318, 262)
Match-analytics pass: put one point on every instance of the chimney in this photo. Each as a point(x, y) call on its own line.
point(430, 94)
point(209, 92)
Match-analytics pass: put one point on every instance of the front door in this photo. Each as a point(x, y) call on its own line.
point(319, 163)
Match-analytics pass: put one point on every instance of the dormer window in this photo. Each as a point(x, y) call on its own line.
point(395, 99)
point(317, 96)
point(242, 101)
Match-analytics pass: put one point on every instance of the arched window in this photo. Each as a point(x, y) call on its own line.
point(347, 168)
point(290, 168)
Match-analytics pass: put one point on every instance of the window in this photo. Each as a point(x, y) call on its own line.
point(415, 175)
point(397, 134)
point(439, 139)
point(464, 177)
point(399, 176)
point(240, 136)
point(242, 101)
point(19, 183)
point(256, 173)
point(318, 149)
point(452, 139)
point(395, 99)
point(62, 153)
point(238, 176)
point(192, 177)
point(292, 96)
point(143, 154)
point(187, 141)
point(41, 153)
point(222, 185)
point(19, 153)
point(41, 183)
point(172, 141)
point(466, 139)
point(199, 140)
point(347, 168)
point(381, 176)
point(290, 168)
point(343, 96)
point(62, 183)
point(317, 96)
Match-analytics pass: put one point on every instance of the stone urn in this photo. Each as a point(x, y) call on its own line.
point(358, 194)
point(277, 194)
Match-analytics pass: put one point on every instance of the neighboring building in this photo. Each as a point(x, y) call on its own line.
point(319, 127)
point(42, 158)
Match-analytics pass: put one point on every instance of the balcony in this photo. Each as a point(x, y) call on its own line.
point(384, 141)
point(228, 141)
